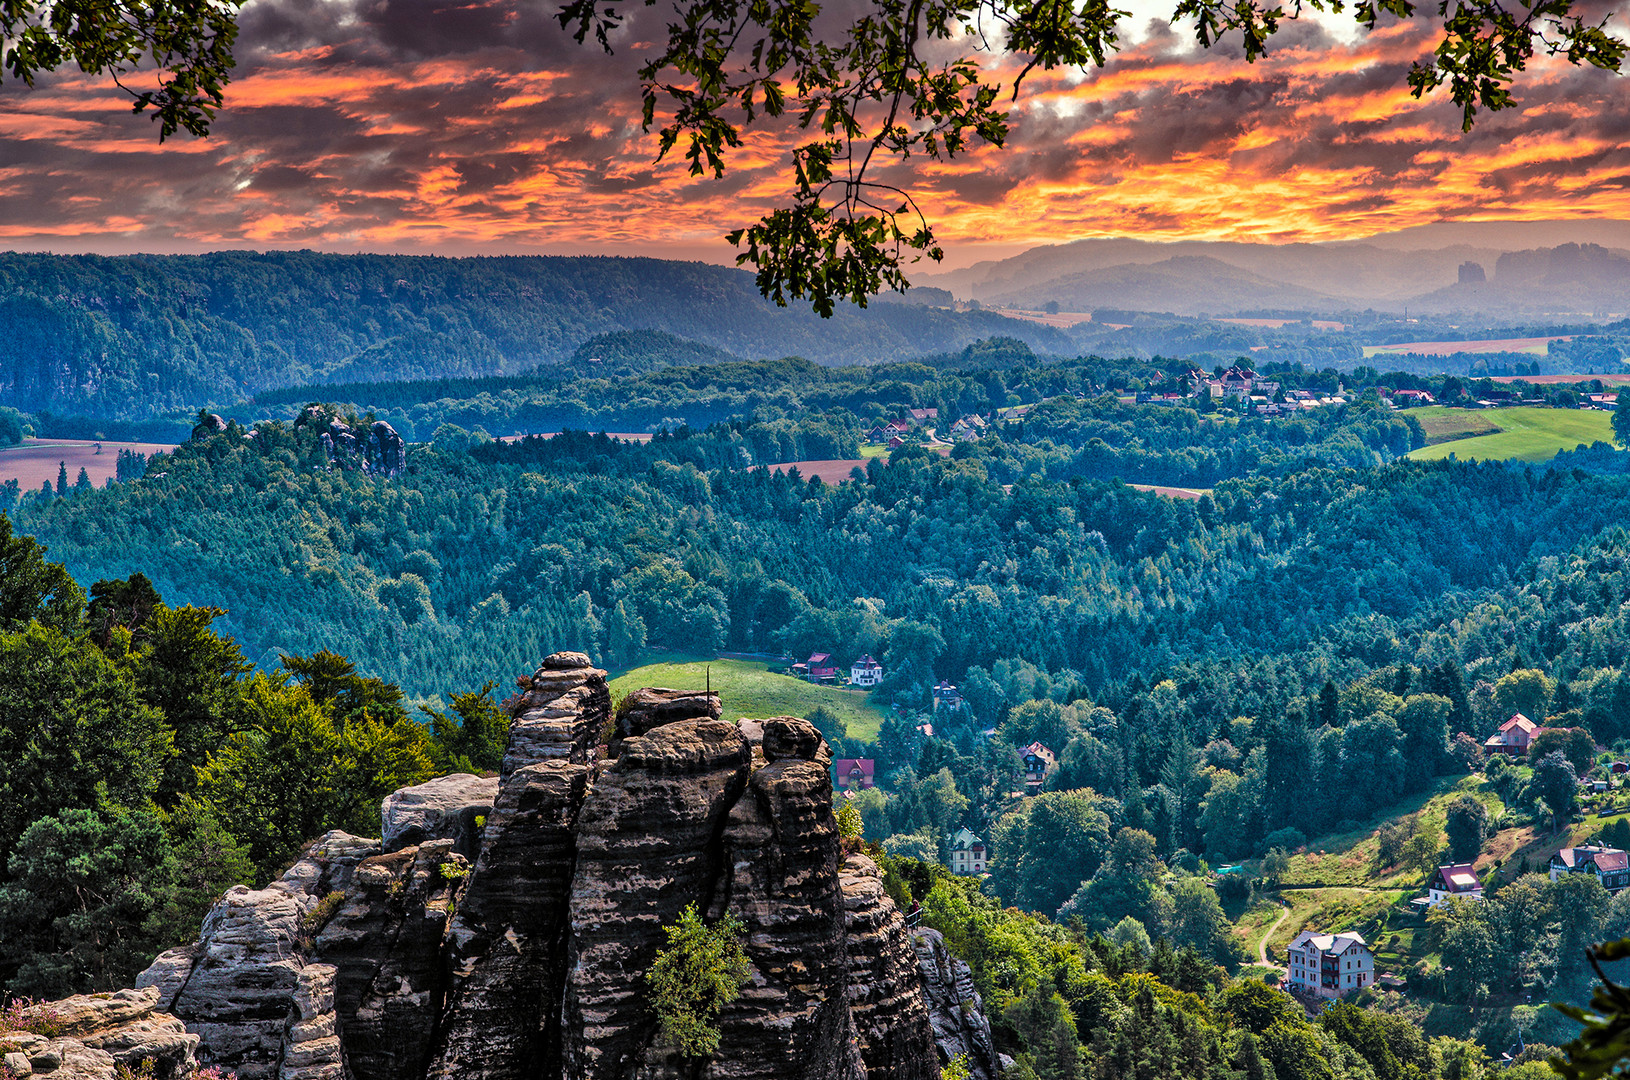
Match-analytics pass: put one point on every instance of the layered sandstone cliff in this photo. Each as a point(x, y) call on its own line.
point(504, 928)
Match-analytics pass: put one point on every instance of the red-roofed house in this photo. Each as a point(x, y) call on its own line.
point(1513, 737)
point(1456, 882)
point(856, 774)
point(1610, 865)
point(821, 668)
point(923, 416)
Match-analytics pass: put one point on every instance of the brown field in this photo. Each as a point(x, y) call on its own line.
point(626, 436)
point(1173, 492)
point(1318, 324)
point(1553, 380)
point(1062, 318)
point(832, 472)
point(36, 460)
point(1445, 348)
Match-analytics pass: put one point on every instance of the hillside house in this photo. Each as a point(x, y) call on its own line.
point(1513, 737)
point(1037, 761)
point(1329, 965)
point(865, 672)
point(821, 669)
point(855, 774)
point(1454, 882)
point(920, 417)
point(946, 694)
point(968, 853)
point(1610, 865)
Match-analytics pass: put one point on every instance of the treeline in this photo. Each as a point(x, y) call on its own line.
point(148, 769)
point(134, 337)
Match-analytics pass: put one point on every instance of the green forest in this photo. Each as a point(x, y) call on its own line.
point(248, 641)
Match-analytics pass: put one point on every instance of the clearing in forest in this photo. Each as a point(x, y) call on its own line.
point(748, 688)
point(1525, 434)
point(38, 460)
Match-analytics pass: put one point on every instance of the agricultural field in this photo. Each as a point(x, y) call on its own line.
point(37, 461)
point(833, 471)
point(748, 688)
point(1524, 434)
point(1443, 424)
point(1539, 346)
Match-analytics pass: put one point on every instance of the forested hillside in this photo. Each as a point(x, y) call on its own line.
point(136, 336)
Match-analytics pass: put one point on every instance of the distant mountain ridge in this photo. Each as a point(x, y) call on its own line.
point(1584, 270)
point(137, 336)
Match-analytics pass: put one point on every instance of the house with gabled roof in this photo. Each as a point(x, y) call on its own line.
point(968, 853)
point(1329, 965)
point(855, 774)
point(1038, 761)
point(821, 668)
point(1457, 881)
point(1513, 738)
point(1611, 866)
point(865, 672)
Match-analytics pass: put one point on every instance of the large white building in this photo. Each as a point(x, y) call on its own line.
point(865, 672)
point(968, 853)
point(1330, 965)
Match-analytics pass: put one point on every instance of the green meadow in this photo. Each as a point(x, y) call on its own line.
point(1520, 434)
point(748, 688)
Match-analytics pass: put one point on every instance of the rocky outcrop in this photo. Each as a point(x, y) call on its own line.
point(446, 808)
point(208, 424)
point(955, 1010)
point(410, 960)
point(885, 996)
point(387, 451)
point(91, 1036)
point(647, 845)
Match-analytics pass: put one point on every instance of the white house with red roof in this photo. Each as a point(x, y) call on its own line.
point(865, 672)
point(1329, 965)
point(1457, 881)
point(1513, 737)
point(1610, 865)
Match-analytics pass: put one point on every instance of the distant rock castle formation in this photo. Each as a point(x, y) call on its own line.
point(503, 928)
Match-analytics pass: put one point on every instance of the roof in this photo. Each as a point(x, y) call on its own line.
point(1459, 877)
point(1521, 723)
point(1039, 751)
point(848, 766)
point(819, 658)
point(1329, 943)
point(866, 661)
point(1604, 859)
point(964, 839)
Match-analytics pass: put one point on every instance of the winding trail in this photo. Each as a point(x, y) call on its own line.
point(1262, 946)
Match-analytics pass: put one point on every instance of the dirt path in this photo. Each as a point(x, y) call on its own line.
point(1262, 946)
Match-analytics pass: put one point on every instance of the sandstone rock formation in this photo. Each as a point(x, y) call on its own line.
point(955, 1009)
point(446, 808)
point(95, 1034)
point(518, 949)
point(387, 451)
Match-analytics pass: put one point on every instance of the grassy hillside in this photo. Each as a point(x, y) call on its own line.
point(748, 688)
point(1523, 434)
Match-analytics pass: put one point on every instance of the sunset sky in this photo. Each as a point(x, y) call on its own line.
point(463, 126)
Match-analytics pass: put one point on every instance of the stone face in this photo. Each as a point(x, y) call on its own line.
point(384, 944)
point(652, 707)
point(647, 845)
point(955, 1010)
point(506, 947)
point(559, 713)
point(781, 850)
point(885, 995)
point(787, 737)
point(445, 808)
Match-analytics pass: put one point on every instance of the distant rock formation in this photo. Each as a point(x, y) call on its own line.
point(504, 928)
point(381, 450)
point(1472, 273)
point(208, 424)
